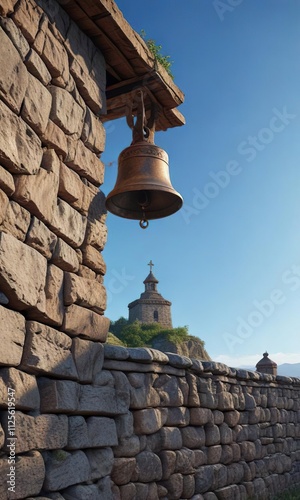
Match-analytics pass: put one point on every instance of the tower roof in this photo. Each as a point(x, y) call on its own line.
point(266, 361)
point(151, 278)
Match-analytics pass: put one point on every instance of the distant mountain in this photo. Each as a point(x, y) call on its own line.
point(289, 370)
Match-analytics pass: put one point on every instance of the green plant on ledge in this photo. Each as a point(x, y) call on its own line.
point(156, 52)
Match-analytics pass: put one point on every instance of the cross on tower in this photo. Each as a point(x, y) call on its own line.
point(151, 265)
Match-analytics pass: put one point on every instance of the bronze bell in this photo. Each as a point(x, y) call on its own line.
point(143, 189)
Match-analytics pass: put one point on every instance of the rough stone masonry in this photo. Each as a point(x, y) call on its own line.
point(80, 419)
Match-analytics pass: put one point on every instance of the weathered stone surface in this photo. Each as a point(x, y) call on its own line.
point(86, 272)
point(6, 182)
point(12, 336)
point(58, 396)
point(37, 67)
point(96, 234)
point(16, 221)
point(170, 438)
point(122, 470)
point(48, 351)
point(148, 467)
point(93, 432)
point(87, 164)
point(54, 137)
point(86, 293)
point(64, 469)
point(24, 386)
point(41, 238)
point(93, 258)
point(38, 193)
point(88, 357)
point(101, 462)
point(101, 401)
point(50, 309)
point(7, 7)
point(82, 492)
point(15, 36)
point(212, 435)
point(14, 80)
point(65, 257)
point(40, 432)
point(27, 17)
point(174, 486)
point(29, 474)
point(193, 437)
point(37, 105)
point(20, 148)
point(22, 272)
point(178, 417)
point(70, 186)
point(4, 202)
point(150, 420)
point(200, 416)
point(83, 322)
point(55, 57)
point(68, 224)
point(124, 424)
point(88, 88)
point(66, 113)
point(93, 133)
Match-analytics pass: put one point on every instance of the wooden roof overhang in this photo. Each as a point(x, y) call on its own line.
point(129, 63)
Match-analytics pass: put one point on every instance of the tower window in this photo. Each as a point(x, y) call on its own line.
point(155, 315)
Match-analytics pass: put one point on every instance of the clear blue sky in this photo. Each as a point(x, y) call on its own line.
point(228, 261)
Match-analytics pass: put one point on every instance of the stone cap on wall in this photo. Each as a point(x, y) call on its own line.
point(130, 64)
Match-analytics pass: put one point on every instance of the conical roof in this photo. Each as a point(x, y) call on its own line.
point(150, 278)
point(266, 361)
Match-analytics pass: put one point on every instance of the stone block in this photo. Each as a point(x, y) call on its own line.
point(39, 432)
point(16, 221)
point(64, 469)
point(68, 224)
point(212, 435)
point(58, 396)
point(66, 112)
point(24, 386)
point(4, 202)
point(38, 193)
point(20, 148)
point(29, 475)
point(93, 258)
point(82, 492)
point(65, 257)
point(55, 57)
point(149, 420)
point(41, 238)
point(168, 462)
point(14, 80)
point(70, 186)
point(128, 491)
point(231, 418)
point(200, 416)
point(15, 36)
point(85, 272)
point(174, 486)
point(122, 470)
point(79, 321)
point(37, 67)
point(127, 447)
point(170, 438)
point(37, 105)
point(27, 16)
point(7, 7)
point(93, 133)
point(193, 437)
point(88, 357)
point(93, 95)
point(54, 137)
point(214, 454)
point(96, 235)
point(12, 336)
point(48, 351)
point(178, 417)
point(51, 309)
point(87, 164)
point(124, 424)
point(101, 462)
point(86, 293)
point(97, 210)
point(185, 460)
point(22, 272)
point(96, 400)
point(148, 467)
point(6, 182)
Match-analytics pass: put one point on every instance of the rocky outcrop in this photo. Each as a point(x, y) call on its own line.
point(193, 347)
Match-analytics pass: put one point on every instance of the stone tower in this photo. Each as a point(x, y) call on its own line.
point(151, 307)
point(266, 365)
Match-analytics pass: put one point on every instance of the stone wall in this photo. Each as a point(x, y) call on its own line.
point(80, 419)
